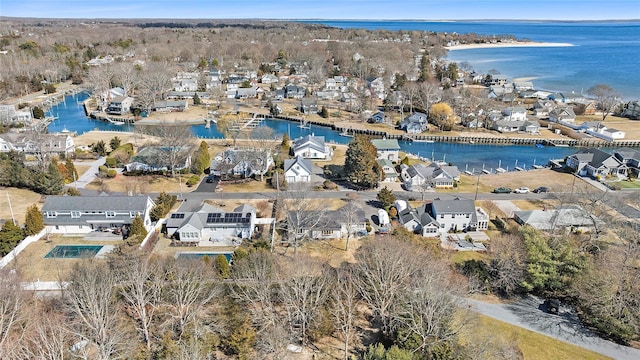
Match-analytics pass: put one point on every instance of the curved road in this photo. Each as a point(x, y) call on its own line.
point(528, 313)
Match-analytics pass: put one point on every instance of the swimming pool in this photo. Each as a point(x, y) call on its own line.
point(76, 251)
point(188, 255)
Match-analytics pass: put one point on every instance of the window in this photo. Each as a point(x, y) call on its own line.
point(110, 214)
point(133, 213)
point(327, 232)
point(441, 216)
point(75, 214)
point(468, 216)
point(51, 214)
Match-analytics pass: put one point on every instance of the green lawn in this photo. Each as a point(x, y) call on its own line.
point(626, 184)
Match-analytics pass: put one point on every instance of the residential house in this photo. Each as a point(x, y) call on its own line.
point(632, 110)
point(173, 95)
point(435, 175)
point(389, 173)
point(377, 118)
point(516, 113)
point(611, 134)
point(298, 170)
point(542, 108)
point(386, 148)
point(247, 93)
point(119, 105)
point(414, 123)
point(596, 163)
point(520, 86)
point(496, 80)
point(242, 162)
point(330, 84)
point(309, 106)
point(212, 224)
point(171, 105)
point(568, 218)
point(505, 126)
point(442, 216)
point(312, 147)
point(185, 84)
point(329, 224)
point(629, 157)
point(9, 114)
point(32, 143)
point(562, 113)
point(279, 95)
point(294, 92)
point(152, 158)
point(269, 79)
point(328, 95)
point(376, 87)
point(84, 214)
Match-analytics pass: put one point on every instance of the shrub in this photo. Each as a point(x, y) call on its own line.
point(329, 185)
point(193, 180)
point(111, 173)
point(111, 162)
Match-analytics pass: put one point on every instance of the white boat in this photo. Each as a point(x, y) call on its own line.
point(115, 122)
point(346, 134)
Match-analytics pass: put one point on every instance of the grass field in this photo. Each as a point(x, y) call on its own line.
point(20, 200)
point(532, 345)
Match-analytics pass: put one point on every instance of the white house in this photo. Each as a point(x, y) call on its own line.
point(242, 162)
point(312, 147)
point(516, 113)
point(442, 216)
point(562, 113)
point(32, 143)
point(298, 170)
point(84, 214)
point(120, 105)
point(212, 224)
point(386, 148)
point(388, 171)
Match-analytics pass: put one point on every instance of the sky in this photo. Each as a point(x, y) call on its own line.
point(327, 9)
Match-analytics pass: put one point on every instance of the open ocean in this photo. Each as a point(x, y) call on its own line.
point(603, 52)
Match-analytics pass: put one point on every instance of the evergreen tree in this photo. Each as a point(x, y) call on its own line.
point(71, 173)
point(38, 113)
point(324, 112)
point(196, 99)
point(10, 235)
point(242, 339)
point(222, 266)
point(386, 197)
point(49, 182)
point(33, 221)
point(137, 228)
point(201, 159)
point(115, 143)
point(100, 148)
point(360, 166)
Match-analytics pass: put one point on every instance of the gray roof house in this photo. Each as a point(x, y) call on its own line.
point(596, 163)
point(414, 123)
point(388, 171)
point(83, 214)
point(152, 158)
point(571, 217)
point(212, 225)
point(294, 92)
point(562, 113)
point(434, 175)
point(312, 147)
point(298, 170)
point(32, 143)
point(308, 106)
point(242, 162)
point(330, 224)
point(441, 216)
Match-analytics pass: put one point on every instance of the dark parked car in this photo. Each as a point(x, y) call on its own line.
point(541, 189)
point(210, 178)
point(502, 190)
point(552, 306)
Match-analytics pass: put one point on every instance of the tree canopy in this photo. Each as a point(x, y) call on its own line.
point(360, 167)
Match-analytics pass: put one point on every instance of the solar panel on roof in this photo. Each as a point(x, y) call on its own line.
point(177, 216)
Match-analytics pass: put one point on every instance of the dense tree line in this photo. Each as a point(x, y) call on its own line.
point(136, 306)
point(46, 180)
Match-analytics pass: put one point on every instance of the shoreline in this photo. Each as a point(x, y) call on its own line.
point(505, 45)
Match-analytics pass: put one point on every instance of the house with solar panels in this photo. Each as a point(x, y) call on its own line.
point(211, 224)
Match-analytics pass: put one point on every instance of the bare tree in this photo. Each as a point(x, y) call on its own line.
point(48, 338)
point(350, 215)
point(303, 288)
point(264, 141)
point(152, 85)
point(93, 309)
point(189, 288)
point(12, 303)
point(174, 145)
point(299, 215)
point(141, 289)
point(606, 97)
point(344, 301)
point(508, 263)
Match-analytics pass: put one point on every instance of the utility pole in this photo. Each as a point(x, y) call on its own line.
point(11, 209)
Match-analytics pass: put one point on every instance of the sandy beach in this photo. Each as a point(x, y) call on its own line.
point(505, 44)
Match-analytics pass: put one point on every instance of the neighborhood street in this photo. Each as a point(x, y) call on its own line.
point(529, 313)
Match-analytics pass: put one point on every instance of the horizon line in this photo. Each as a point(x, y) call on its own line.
point(321, 19)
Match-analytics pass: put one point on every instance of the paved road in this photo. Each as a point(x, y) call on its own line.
point(528, 313)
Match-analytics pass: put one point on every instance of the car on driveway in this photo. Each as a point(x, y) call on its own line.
point(541, 189)
point(210, 179)
point(522, 190)
point(552, 306)
point(502, 190)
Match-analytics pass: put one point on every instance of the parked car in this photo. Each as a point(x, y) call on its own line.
point(552, 306)
point(502, 190)
point(210, 179)
point(541, 189)
point(522, 190)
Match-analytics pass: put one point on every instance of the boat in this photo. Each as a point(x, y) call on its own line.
point(346, 133)
point(114, 122)
point(421, 140)
point(539, 145)
point(304, 124)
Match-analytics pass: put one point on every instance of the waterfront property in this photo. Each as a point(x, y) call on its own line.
point(386, 148)
point(596, 163)
point(298, 170)
point(32, 142)
point(442, 216)
point(211, 226)
point(84, 214)
point(312, 147)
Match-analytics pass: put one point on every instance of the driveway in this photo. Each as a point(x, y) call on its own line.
point(88, 175)
point(528, 313)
